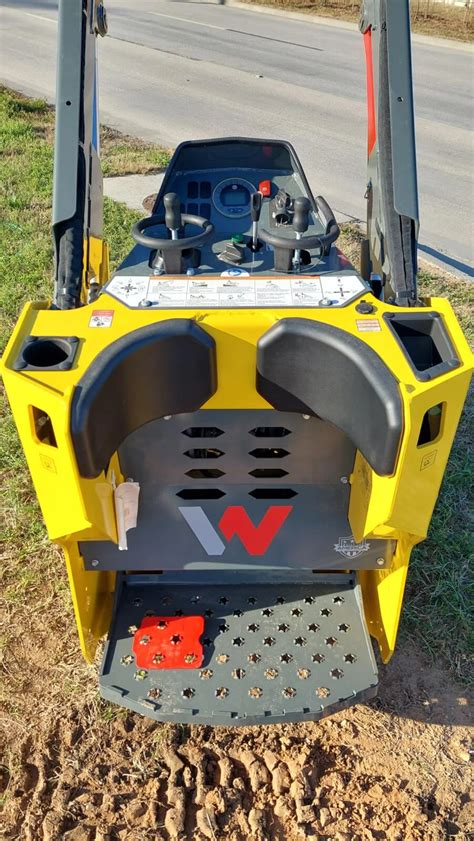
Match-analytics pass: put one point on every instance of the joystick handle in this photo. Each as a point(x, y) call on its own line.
point(302, 207)
point(172, 204)
point(256, 205)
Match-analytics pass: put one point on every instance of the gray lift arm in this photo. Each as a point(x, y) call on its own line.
point(390, 250)
point(77, 191)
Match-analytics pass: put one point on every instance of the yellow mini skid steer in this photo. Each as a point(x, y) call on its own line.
point(237, 438)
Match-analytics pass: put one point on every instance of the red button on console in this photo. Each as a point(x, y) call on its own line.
point(265, 188)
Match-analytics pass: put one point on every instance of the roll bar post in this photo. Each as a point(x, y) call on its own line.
point(392, 193)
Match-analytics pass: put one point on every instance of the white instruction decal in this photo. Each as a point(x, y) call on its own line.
point(236, 288)
point(101, 318)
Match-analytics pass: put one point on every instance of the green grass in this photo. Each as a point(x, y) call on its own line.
point(436, 610)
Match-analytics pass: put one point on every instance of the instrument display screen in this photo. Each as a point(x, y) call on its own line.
point(234, 196)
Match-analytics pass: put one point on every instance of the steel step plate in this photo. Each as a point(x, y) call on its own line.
point(273, 652)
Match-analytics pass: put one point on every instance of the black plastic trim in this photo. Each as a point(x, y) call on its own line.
point(162, 369)
point(309, 367)
point(66, 347)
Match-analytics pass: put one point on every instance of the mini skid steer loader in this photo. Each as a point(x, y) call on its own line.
point(237, 438)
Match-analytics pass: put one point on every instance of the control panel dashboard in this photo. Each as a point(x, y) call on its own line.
point(217, 181)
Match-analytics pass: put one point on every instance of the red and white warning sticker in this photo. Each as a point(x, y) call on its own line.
point(368, 325)
point(101, 318)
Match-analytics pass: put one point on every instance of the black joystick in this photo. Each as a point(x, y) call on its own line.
point(173, 219)
point(255, 210)
point(302, 207)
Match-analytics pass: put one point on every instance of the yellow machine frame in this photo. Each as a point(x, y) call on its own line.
point(397, 507)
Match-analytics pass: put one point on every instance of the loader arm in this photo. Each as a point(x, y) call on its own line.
point(389, 254)
point(81, 256)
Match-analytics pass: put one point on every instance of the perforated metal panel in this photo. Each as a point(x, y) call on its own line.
point(256, 459)
point(280, 650)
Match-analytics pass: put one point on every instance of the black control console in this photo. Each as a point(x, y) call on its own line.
point(236, 203)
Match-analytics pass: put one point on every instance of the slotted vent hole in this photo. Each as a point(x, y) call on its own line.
point(204, 452)
point(268, 473)
point(350, 658)
point(273, 493)
point(271, 673)
point(189, 692)
point(206, 674)
point(238, 674)
point(205, 473)
point(270, 432)
point(203, 432)
point(269, 452)
point(336, 674)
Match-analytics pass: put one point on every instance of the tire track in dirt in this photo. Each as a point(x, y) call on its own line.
point(97, 773)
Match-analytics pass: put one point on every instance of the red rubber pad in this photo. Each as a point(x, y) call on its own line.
point(169, 642)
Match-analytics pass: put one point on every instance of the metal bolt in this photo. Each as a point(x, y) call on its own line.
point(306, 417)
point(344, 480)
point(95, 563)
point(380, 562)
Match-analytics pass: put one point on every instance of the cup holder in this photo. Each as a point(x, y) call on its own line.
point(47, 353)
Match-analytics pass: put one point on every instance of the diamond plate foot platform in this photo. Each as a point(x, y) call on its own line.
point(275, 651)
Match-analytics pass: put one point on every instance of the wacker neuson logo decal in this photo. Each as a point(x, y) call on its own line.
point(236, 521)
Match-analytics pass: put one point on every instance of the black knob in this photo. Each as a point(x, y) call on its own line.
point(256, 206)
point(302, 207)
point(172, 204)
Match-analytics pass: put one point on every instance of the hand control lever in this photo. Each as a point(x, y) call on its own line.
point(173, 219)
point(302, 207)
point(255, 210)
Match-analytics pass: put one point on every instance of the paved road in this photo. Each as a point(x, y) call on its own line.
point(174, 70)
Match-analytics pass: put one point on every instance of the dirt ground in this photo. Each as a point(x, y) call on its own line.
point(396, 769)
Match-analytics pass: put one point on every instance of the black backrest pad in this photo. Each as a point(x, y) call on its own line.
point(162, 369)
point(306, 366)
